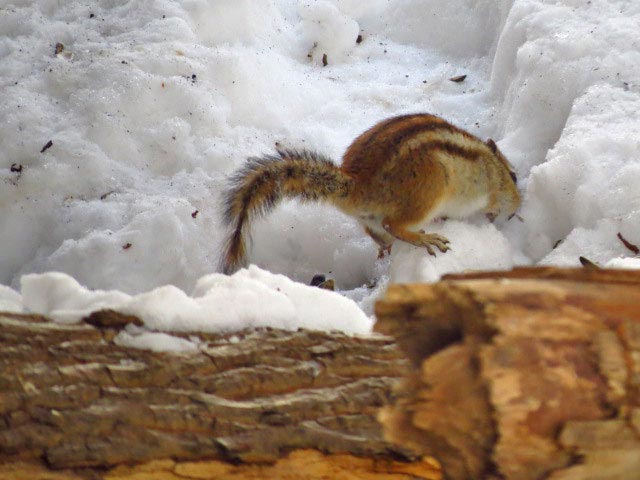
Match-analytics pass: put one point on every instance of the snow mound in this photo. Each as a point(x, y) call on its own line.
point(587, 190)
point(548, 54)
point(567, 80)
point(219, 303)
point(473, 247)
point(10, 300)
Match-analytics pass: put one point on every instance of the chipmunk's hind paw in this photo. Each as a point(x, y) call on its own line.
point(430, 240)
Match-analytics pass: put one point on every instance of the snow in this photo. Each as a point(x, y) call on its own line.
point(151, 105)
point(137, 337)
point(10, 300)
point(478, 246)
point(567, 76)
point(624, 263)
point(589, 186)
point(219, 303)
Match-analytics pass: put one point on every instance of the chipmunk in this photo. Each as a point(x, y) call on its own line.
point(403, 172)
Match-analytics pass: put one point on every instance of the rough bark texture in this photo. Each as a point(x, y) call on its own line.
point(524, 375)
point(530, 374)
point(255, 404)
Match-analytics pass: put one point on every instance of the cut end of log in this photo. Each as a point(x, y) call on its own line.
point(525, 374)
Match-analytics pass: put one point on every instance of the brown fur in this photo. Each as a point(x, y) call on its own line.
point(401, 172)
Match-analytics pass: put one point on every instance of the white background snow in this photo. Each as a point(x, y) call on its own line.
point(152, 103)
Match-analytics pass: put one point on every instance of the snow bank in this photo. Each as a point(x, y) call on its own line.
point(549, 53)
point(588, 190)
point(219, 303)
point(567, 75)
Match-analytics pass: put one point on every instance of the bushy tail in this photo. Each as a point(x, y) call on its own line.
point(257, 187)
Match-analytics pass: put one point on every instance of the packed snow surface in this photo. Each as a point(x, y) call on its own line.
point(114, 150)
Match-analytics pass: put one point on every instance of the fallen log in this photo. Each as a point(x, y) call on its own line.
point(528, 374)
point(524, 375)
point(252, 404)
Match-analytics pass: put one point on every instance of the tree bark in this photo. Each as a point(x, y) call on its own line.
point(253, 404)
point(524, 375)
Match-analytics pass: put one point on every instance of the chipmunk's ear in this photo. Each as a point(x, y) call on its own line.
point(492, 145)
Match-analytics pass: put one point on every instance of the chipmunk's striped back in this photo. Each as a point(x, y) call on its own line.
point(417, 167)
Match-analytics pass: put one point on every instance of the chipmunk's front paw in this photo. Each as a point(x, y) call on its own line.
point(429, 240)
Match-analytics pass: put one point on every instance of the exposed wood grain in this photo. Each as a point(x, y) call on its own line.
point(543, 364)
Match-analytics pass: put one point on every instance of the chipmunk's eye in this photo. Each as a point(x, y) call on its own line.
point(513, 177)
